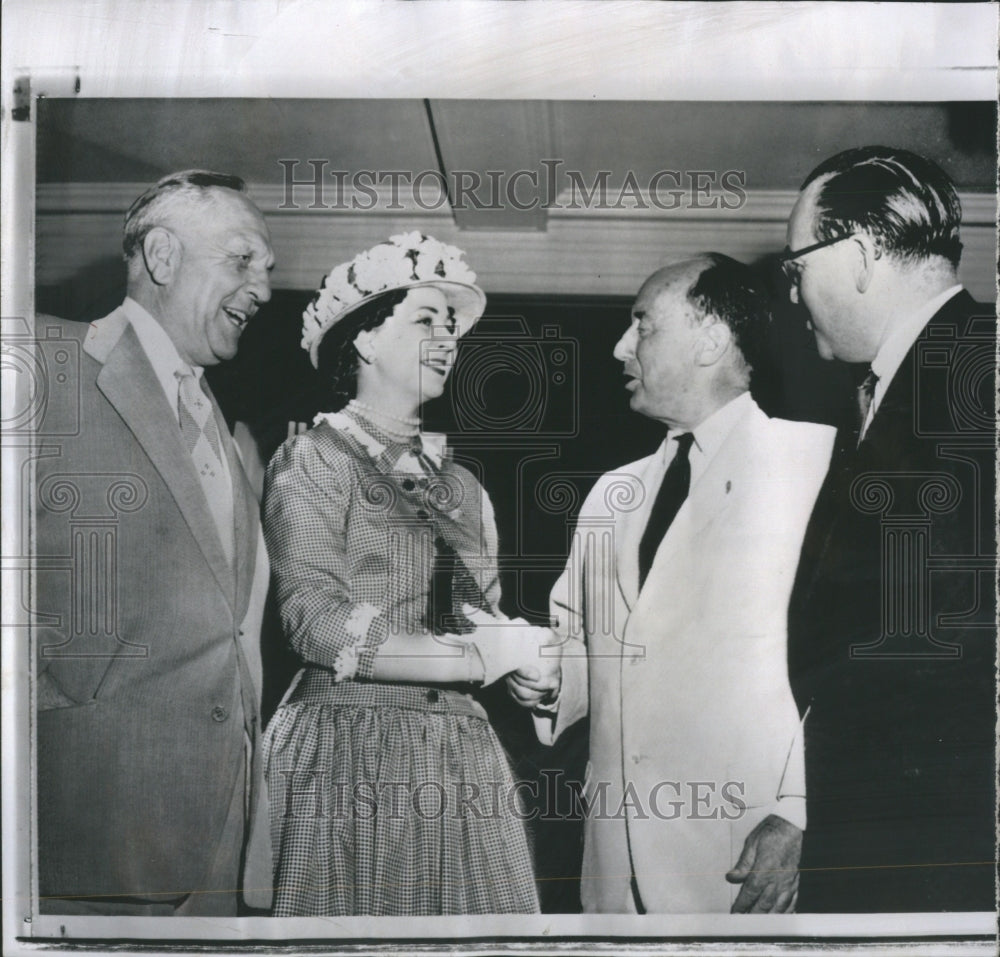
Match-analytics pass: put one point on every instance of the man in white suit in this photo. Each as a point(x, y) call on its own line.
point(672, 610)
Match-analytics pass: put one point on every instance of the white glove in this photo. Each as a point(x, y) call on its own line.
point(504, 644)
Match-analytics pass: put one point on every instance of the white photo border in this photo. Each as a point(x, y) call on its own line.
point(565, 49)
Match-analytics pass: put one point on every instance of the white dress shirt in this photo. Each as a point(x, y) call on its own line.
point(897, 344)
point(163, 356)
point(709, 437)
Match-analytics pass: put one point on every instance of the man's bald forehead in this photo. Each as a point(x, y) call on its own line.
point(686, 272)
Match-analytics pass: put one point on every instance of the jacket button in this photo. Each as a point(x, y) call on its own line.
point(219, 714)
point(432, 696)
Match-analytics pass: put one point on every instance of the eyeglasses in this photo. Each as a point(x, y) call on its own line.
point(787, 257)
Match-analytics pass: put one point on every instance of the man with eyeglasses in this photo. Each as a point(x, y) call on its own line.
point(891, 624)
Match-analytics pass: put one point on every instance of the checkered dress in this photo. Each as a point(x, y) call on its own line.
point(385, 798)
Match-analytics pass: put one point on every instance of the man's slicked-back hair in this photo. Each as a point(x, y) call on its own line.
point(901, 199)
point(154, 207)
point(732, 292)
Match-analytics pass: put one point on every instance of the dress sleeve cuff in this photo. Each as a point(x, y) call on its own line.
point(367, 629)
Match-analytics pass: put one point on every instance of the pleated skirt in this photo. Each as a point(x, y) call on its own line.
point(392, 799)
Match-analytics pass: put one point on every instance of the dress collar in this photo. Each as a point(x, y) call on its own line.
point(393, 453)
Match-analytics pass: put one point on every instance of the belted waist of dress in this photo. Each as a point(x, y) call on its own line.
point(318, 685)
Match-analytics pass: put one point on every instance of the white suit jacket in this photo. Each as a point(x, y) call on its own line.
point(694, 732)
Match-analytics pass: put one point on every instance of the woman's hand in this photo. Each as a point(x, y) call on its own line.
point(508, 645)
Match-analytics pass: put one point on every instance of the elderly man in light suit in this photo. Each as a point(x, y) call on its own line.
point(673, 609)
point(148, 677)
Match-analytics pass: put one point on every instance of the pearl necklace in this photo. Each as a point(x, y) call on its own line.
point(380, 418)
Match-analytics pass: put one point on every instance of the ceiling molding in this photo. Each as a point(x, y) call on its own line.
point(382, 202)
point(582, 252)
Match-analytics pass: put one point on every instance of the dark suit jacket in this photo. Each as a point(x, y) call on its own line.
point(148, 675)
point(892, 641)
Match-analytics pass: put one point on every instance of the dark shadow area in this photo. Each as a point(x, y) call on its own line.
point(88, 294)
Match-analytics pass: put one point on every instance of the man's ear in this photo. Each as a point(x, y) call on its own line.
point(161, 253)
point(866, 254)
point(714, 341)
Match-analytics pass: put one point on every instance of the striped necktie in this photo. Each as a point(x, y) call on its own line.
point(201, 435)
point(866, 392)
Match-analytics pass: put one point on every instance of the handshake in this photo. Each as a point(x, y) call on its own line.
point(527, 655)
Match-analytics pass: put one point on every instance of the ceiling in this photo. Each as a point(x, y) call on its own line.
point(532, 226)
point(134, 140)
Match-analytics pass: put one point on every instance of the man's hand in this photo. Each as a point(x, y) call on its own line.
point(533, 686)
point(768, 868)
point(538, 683)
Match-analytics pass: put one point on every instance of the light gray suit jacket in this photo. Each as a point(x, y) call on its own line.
point(147, 639)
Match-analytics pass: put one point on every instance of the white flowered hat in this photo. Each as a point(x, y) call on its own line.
point(402, 262)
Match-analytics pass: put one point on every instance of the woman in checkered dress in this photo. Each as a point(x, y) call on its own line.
point(390, 793)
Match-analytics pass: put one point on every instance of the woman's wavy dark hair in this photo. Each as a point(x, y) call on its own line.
point(336, 356)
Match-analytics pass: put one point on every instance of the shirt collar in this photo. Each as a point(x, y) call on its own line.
point(901, 337)
point(159, 349)
point(711, 433)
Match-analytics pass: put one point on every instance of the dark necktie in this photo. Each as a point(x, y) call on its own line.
point(866, 392)
point(669, 499)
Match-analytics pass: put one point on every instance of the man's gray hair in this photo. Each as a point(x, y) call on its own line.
point(154, 207)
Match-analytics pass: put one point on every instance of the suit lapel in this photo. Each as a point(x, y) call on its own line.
point(250, 551)
point(630, 526)
point(246, 518)
point(710, 497)
point(128, 382)
point(895, 417)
